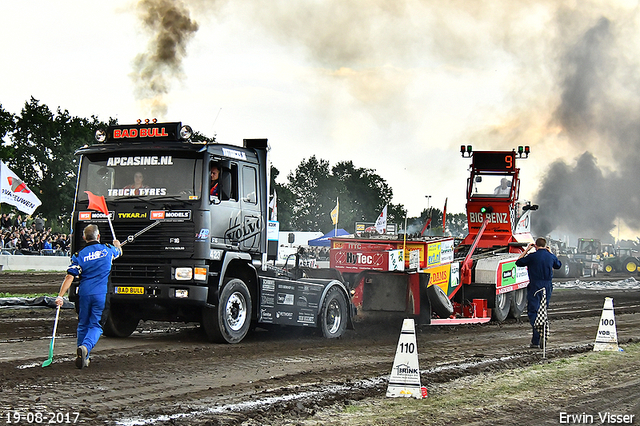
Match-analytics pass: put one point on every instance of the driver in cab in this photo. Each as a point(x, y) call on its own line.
point(215, 187)
point(504, 189)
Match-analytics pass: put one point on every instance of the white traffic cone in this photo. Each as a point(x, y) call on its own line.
point(607, 337)
point(404, 380)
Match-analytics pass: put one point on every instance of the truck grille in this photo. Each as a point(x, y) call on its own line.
point(126, 272)
point(175, 240)
point(148, 259)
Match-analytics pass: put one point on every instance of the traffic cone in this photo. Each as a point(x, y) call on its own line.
point(404, 380)
point(607, 337)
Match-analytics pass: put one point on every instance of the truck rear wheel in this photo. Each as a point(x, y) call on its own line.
point(120, 321)
point(502, 307)
point(333, 317)
point(230, 321)
point(518, 303)
point(440, 303)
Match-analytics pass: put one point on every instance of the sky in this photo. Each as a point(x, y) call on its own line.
point(392, 85)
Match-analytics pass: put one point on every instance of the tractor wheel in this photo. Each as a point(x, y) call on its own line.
point(608, 268)
point(229, 322)
point(575, 270)
point(564, 270)
point(440, 303)
point(518, 303)
point(503, 305)
point(630, 265)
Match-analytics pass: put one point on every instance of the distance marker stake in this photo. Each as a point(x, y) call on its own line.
point(404, 380)
point(607, 337)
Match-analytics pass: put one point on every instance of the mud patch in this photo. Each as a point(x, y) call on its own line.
point(168, 373)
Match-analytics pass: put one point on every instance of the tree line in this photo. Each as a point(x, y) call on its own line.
point(38, 144)
point(314, 188)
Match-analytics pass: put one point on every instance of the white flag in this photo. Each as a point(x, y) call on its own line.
point(16, 192)
point(273, 205)
point(381, 222)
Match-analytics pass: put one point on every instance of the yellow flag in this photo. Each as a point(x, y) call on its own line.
point(334, 213)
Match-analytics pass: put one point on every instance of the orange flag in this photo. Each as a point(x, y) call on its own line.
point(97, 203)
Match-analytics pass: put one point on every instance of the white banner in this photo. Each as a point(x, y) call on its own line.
point(15, 192)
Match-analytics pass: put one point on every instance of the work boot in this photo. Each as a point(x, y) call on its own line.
point(534, 346)
point(82, 360)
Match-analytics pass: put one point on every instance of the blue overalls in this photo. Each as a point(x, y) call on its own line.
point(93, 265)
point(540, 265)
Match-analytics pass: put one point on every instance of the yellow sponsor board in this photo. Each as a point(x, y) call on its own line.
point(440, 276)
point(433, 254)
point(411, 247)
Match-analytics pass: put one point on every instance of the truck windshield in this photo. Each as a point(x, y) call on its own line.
point(485, 185)
point(121, 177)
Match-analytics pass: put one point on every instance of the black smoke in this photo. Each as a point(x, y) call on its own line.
point(599, 114)
point(171, 28)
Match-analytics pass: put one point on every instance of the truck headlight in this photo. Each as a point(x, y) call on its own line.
point(183, 274)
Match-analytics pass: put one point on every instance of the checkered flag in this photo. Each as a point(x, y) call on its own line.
point(541, 322)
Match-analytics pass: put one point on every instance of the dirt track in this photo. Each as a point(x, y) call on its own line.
point(168, 373)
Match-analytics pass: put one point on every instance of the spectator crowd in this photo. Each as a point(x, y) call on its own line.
point(34, 239)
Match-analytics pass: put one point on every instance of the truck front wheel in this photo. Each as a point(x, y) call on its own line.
point(121, 321)
point(333, 317)
point(230, 321)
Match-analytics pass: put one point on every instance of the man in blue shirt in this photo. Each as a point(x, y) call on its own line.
point(92, 265)
point(540, 265)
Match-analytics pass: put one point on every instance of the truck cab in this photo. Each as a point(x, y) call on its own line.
point(194, 248)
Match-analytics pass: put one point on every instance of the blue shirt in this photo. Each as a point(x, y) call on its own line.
point(93, 265)
point(540, 264)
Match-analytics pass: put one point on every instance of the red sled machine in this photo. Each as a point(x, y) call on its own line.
point(440, 281)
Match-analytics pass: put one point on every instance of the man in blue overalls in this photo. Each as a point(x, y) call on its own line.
point(540, 265)
point(92, 265)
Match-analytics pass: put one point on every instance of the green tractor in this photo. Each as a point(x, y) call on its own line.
point(620, 260)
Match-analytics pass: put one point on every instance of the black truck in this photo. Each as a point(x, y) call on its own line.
point(189, 255)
